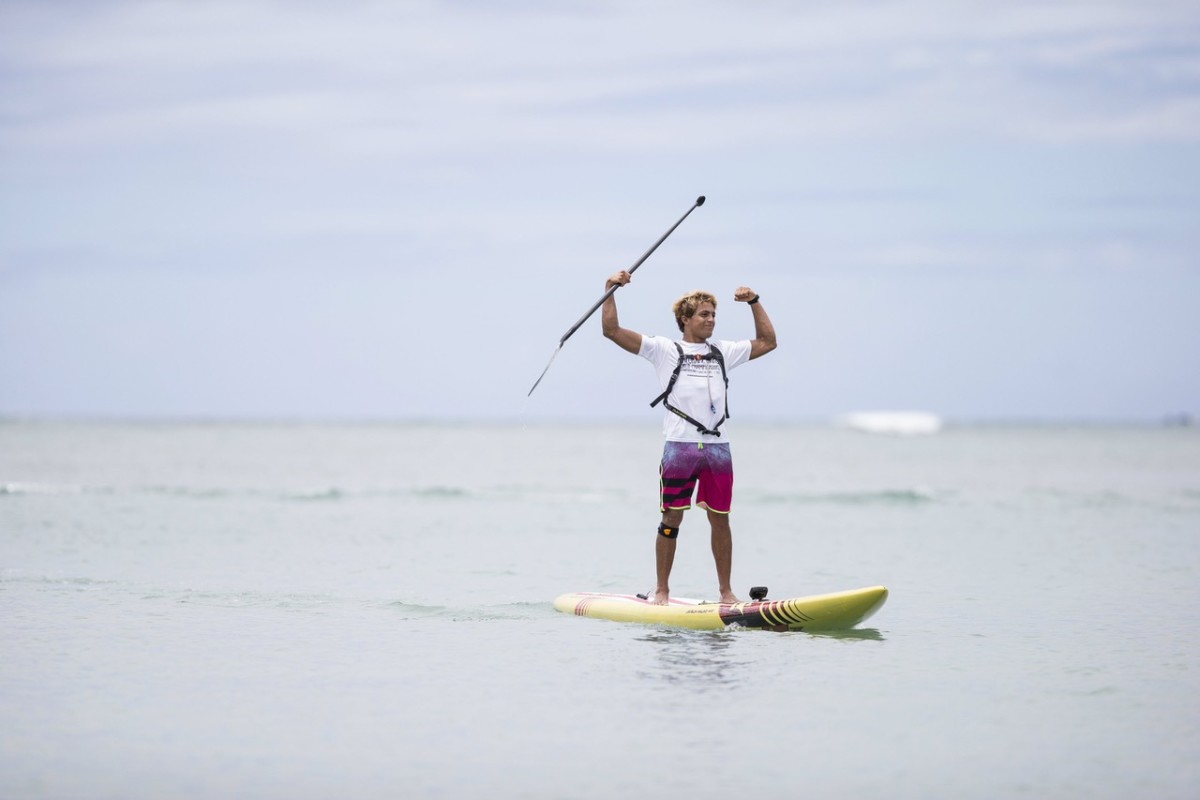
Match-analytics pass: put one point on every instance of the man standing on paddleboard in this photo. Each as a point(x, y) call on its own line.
point(693, 375)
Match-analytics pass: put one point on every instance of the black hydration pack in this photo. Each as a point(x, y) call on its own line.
point(713, 354)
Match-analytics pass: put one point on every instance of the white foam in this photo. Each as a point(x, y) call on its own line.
point(898, 423)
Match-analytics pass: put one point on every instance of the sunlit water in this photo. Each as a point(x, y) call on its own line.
point(289, 611)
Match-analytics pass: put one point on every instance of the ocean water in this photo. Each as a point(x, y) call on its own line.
point(296, 611)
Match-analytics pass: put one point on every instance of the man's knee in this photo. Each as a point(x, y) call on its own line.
point(672, 517)
point(717, 520)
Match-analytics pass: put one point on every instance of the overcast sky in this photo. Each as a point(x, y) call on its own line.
point(353, 210)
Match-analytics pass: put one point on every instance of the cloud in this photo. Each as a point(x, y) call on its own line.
point(878, 162)
point(377, 79)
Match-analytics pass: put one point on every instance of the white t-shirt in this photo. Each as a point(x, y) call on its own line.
point(700, 390)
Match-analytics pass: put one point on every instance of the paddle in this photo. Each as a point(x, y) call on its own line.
point(699, 202)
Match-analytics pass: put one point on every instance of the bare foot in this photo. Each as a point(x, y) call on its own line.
point(729, 597)
point(661, 596)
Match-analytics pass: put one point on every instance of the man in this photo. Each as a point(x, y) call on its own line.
point(693, 375)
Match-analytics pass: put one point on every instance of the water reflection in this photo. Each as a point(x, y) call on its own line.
point(713, 660)
point(871, 634)
point(701, 659)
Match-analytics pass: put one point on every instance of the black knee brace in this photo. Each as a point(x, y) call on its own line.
point(666, 532)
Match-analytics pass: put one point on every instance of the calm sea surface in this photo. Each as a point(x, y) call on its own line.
point(364, 611)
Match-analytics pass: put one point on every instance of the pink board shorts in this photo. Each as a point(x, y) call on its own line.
point(686, 464)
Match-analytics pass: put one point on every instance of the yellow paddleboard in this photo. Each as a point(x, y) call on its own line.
point(820, 612)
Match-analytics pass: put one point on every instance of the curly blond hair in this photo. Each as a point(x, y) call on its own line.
point(686, 306)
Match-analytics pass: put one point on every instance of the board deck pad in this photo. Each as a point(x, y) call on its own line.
point(822, 612)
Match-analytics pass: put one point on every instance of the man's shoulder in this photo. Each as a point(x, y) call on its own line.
point(726, 346)
point(657, 343)
point(658, 349)
point(736, 352)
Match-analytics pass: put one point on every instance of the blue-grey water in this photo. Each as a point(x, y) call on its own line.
point(314, 611)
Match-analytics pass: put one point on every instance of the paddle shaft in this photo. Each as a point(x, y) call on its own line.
point(612, 289)
point(699, 202)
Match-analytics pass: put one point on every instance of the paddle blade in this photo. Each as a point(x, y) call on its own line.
point(553, 356)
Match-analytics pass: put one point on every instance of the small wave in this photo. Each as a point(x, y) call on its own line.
point(439, 491)
point(525, 610)
point(20, 488)
point(487, 613)
point(310, 495)
point(340, 493)
point(1184, 501)
point(251, 599)
point(417, 611)
point(323, 494)
point(225, 493)
point(191, 492)
point(881, 497)
point(18, 576)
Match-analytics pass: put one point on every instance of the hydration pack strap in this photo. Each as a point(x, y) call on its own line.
point(713, 354)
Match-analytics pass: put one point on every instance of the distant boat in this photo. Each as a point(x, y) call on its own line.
point(896, 423)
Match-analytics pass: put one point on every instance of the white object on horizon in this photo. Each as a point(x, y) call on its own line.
point(900, 423)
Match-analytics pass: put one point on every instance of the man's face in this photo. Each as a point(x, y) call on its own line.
point(699, 326)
